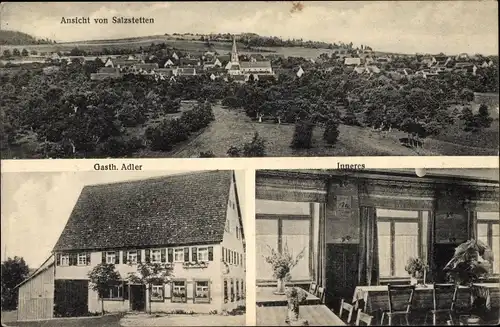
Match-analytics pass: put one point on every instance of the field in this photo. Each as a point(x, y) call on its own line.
point(233, 128)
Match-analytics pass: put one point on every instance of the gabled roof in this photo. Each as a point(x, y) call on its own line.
point(255, 64)
point(46, 265)
point(172, 210)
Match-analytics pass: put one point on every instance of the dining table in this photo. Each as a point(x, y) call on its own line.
point(375, 297)
point(265, 296)
point(314, 314)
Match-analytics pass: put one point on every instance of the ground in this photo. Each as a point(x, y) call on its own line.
point(130, 320)
point(233, 128)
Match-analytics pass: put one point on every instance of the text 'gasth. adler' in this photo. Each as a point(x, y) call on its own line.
point(130, 166)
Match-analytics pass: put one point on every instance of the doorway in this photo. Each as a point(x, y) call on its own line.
point(137, 297)
point(341, 273)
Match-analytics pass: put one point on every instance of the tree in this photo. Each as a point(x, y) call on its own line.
point(234, 151)
point(6, 53)
point(256, 147)
point(24, 53)
point(34, 52)
point(466, 95)
point(16, 52)
point(302, 137)
point(149, 274)
point(207, 154)
point(14, 271)
point(350, 117)
point(468, 117)
point(101, 278)
point(331, 133)
point(483, 116)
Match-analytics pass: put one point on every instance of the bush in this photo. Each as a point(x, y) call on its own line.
point(164, 136)
point(120, 146)
point(207, 154)
point(255, 148)
point(331, 133)
point(302, 137)
point(234, 151)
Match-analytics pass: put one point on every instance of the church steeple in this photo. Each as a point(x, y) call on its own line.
point(234, 52)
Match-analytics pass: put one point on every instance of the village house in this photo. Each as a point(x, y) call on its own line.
point(191, 222)
point(352, 61)
point(106, 72)
point(237, 67)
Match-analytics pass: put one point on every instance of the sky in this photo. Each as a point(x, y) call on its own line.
point(37, 205)
point(395, 26)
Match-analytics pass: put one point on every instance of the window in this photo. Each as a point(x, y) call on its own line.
point(82, 259)
point(242, 289)
point(237, 232)
point(488, 231)
point(179, 291)
point(399, 237)
point(111, 257)
point(178, 255)
point(132, 257)
point(232, 290)
point(202, 291)
point(114, 293)
point(203, 254)
point(237, 290)
point(157, 292)
point(65, 259)
point(155, 256)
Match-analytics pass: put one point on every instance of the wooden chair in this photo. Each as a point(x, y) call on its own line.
point(399, 309)
point(363, 317)
point(347, 307)
point(441, 302)
point(321, 294)
point(312, 288)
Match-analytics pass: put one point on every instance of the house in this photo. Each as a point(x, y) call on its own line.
point(359, 227)
point(186, 71)
point(259, 67)
point(175, 56)
point(168, 63)
point(191, 222)
point(300, 72)
point(189, 62)
point(120, 62)
point(106, 72)
point(212, 64)
point(146, 68)
point(352, 61)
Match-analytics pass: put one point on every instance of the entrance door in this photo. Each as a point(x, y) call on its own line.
point(137, 297)
point(341, 273)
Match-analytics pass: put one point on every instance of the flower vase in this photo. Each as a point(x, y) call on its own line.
point(280, 289)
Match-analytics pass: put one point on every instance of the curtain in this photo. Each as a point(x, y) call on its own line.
point(368, 273)
point(472, 221)
point(321, 247)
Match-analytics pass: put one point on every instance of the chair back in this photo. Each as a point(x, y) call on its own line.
point(348, 307)
point(363, 317)
point(321, 294)
point(312, 288)
point(444, 296)
point(400, 297)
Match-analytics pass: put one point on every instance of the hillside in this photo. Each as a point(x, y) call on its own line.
point(19, 38)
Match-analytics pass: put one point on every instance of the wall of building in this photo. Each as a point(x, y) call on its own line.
point(36, 297)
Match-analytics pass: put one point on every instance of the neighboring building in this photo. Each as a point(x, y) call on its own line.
point(352, 61)
point(168, 63)
point(235, 67)
point(190, 221)
point(186, 71)
point(106, 72)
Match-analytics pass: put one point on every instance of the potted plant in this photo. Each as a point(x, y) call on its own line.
point(417, 270)
point(282, 263)
point(295, 297)
point(471, 264)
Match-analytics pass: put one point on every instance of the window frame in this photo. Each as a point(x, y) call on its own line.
point(136, 260)
point(489, 222)
point(290, 217)
point(392, 221)
point(79, 256)
point(64, 257)
point(110, 254)
point(173, 298)
point(152, 255)
point(161, 298)
point(181, 254)
point(202, 250)
point(195, 286)
point(109, 292)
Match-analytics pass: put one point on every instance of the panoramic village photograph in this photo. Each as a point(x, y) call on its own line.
point(253, 79)
point(124, 249)
point(393, 247)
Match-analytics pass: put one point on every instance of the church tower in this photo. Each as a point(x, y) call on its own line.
point(234, 52)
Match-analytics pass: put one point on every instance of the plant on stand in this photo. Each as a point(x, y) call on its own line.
point(295, 297)
point(470, 264)
point(282, 263)
point(417, 270)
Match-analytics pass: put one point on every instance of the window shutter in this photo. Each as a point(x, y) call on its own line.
point(88, 258)
point(117, 257)
point(125, 291)
point(186, 254)
point(139, 256)
point(170, 255)
point(148, 255)
point(58, 259)
point(194, 254)
point(124, 257)
point(210, 253)
point(163, 255)
point(223, 255)
point(72, 257)
point(103, 257)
